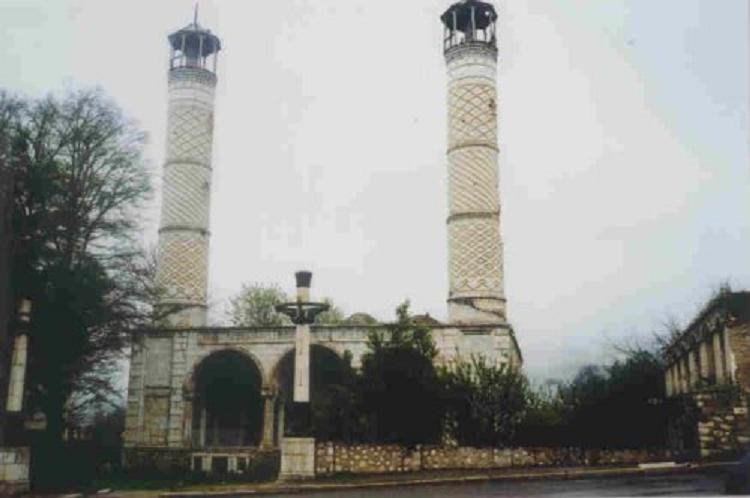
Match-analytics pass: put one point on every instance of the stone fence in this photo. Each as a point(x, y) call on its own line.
point(337, 458)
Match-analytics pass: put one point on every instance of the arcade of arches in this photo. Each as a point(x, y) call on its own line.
point(232, 408)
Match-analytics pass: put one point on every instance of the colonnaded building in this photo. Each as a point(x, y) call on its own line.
point(211, 391)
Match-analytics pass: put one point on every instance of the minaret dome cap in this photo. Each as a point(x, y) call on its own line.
point(192, 34)
point(485, 15)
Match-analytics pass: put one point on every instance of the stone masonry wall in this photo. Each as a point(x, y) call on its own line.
point(164, 362)
point(336, 458)
point(739, 346)
point(723, 427)
point(157, 460)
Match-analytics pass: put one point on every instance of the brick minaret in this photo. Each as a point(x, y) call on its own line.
point(475, 249)
point(182, 271)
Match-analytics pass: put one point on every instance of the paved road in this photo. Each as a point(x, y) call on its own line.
point(703, 484)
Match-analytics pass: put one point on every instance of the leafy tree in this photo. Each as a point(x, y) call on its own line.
point(334, 315)
point(79, 184)
point(255, 306)
point(485, 402)
point(544, 422)
point(401, 392)
point(627, 394)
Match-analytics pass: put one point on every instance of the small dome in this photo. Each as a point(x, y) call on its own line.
point(425, 319)
point(360, 319)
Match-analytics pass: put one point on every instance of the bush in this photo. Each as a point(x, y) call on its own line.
point(627, 395)
point(400, 389)
point(484, 403)
point(544, 423)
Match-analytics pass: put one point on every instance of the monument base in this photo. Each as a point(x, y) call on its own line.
point(297, 458)
point(14, 471)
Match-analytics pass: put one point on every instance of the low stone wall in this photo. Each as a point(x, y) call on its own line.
point(335, 458)
point(14, 471)
point(238, 463)
point(161, 461)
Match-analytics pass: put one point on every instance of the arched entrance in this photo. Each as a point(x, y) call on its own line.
point(227, 403)
point(329, 374)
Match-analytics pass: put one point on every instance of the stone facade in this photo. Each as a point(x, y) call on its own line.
point(337, 458)
point(166, 410)
point(710, 362)
point(163, 365)
point(723, 427)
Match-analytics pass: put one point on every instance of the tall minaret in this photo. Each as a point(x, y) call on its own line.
point(182, 270)
point(475, 249)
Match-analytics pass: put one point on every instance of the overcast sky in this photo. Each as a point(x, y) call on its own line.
point(623, 138)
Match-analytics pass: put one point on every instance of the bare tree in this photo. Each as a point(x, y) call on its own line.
point(80, 183)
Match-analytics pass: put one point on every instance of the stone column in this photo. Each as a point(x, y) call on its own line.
point(705, 361)
point(17, 382)
point(19, 359)
point(718, 357)
point(280, 421)
point(187, 421)
point(685, 374)
point(690, 370)
point(202, 434)
point(728, 355)
point(693, 366)
point(302, 364)
point(269, 401)
point(668, 386)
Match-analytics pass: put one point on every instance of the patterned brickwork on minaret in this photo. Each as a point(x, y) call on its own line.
point(475, 249)
point(182, 271)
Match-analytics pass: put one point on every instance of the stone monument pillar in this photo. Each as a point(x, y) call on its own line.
point(475, 248)
point(15, 462)
point(182, 270)
point(17, 384)
point(298, 449)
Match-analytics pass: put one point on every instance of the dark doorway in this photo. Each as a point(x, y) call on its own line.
point(227, 408)
point(328, 375)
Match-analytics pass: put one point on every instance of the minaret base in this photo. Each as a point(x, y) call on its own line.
point(183, 315)
point(472, 311)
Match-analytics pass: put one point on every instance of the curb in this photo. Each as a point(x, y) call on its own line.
point(573, 473)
